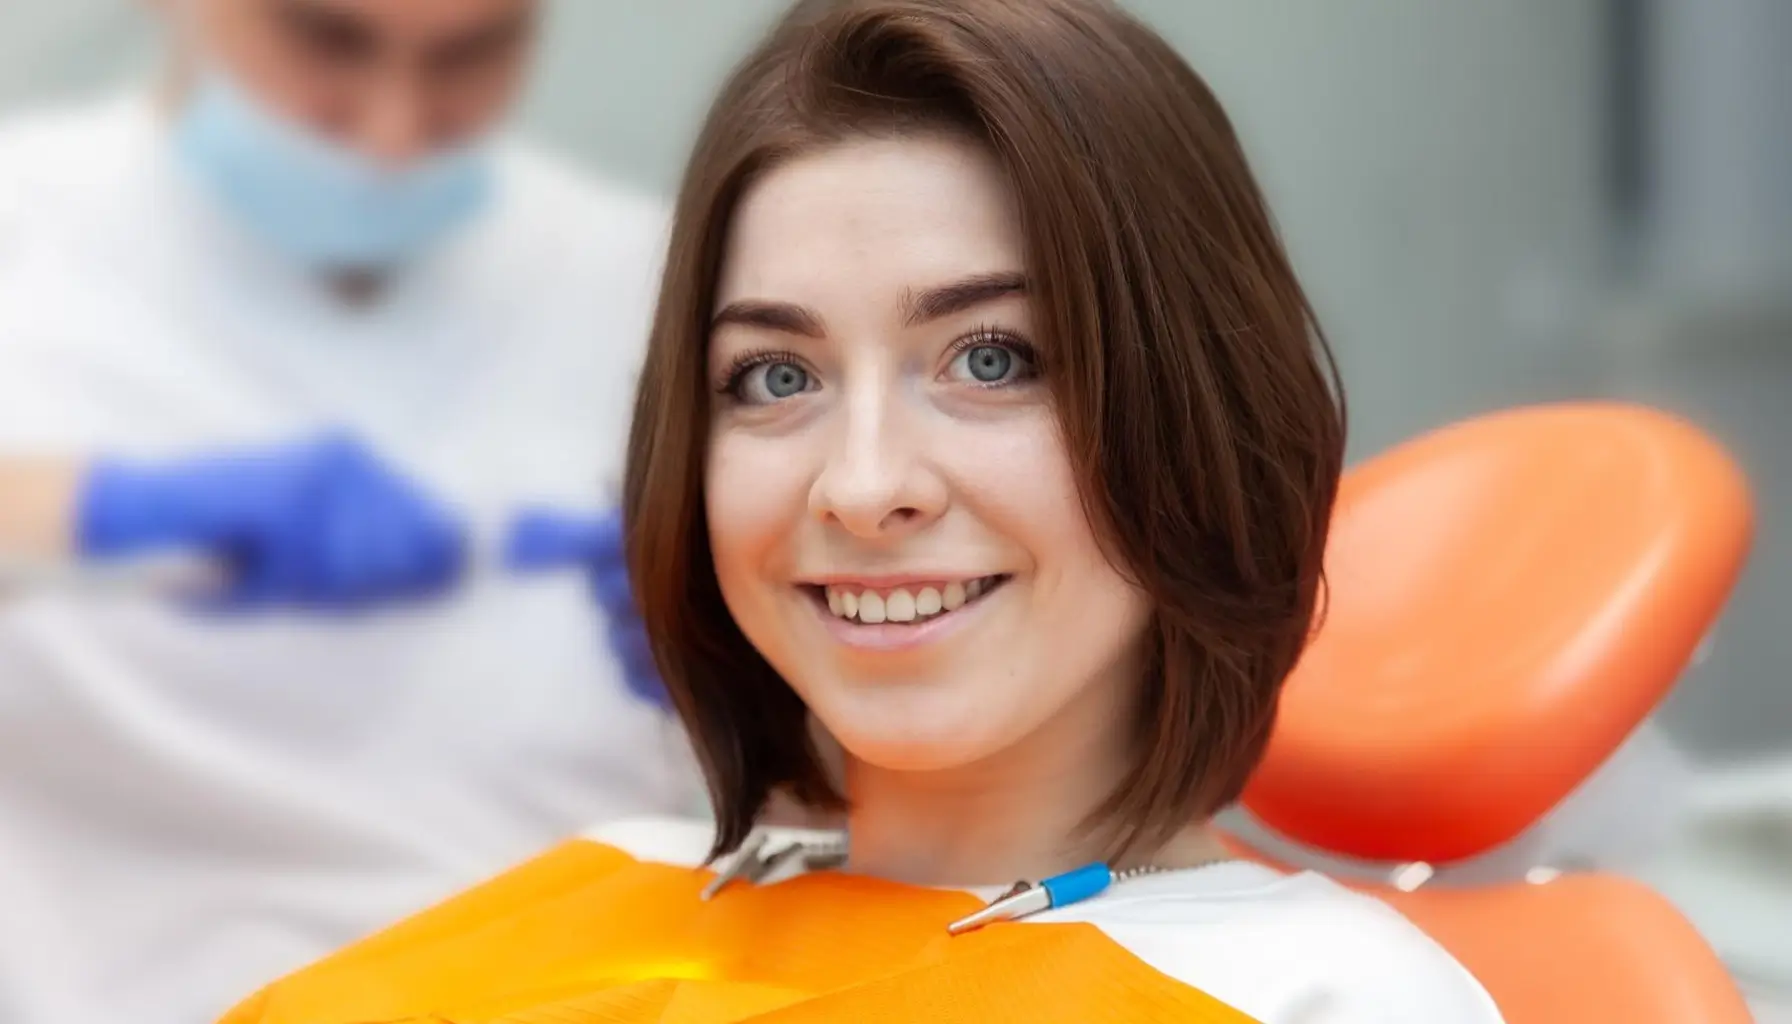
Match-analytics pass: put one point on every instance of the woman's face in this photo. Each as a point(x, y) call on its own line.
point(892, 511)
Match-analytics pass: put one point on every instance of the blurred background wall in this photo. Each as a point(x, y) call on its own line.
point(1492, 203)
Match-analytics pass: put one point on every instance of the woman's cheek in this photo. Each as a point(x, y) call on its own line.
point(754, 493)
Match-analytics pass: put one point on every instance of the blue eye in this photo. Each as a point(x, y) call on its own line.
point(989, 361)
point(768, 382)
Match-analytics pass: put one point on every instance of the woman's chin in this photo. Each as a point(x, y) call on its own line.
point(918, 751)
point(920, 724)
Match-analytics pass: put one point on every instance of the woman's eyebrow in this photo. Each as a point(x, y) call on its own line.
point(772, 316)
point(967, 293)
point(917, 307)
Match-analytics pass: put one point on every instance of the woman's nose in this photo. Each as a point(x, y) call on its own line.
point(876, 483)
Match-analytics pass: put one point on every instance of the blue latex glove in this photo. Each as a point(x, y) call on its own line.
point(321, 525)
point(541, 541)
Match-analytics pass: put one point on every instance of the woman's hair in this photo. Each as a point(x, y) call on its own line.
point(1196, 397)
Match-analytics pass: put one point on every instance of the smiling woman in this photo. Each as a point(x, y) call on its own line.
point(904, 442)
point(987, 434)
point(980, 292)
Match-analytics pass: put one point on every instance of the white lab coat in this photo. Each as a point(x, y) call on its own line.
point(189, 808)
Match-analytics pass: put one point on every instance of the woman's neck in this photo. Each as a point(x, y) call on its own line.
point(965, 828)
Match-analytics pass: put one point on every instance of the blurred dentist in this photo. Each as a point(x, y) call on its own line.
point(303, 313)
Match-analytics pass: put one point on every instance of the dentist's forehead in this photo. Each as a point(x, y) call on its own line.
point(871, 218)
point(408, 23)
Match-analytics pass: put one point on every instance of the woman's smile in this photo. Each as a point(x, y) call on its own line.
point(889, 613)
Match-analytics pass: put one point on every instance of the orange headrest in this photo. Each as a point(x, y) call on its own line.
point(1507, 599)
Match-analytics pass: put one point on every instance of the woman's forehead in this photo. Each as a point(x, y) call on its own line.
point(871, 218)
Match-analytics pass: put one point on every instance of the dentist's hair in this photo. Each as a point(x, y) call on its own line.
point(1198, 400)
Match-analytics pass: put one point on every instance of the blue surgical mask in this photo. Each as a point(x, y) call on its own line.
point(320, 203)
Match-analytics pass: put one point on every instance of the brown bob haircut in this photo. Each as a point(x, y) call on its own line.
point(1197, 399)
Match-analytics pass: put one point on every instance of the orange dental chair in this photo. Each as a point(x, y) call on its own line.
point(1509, 598)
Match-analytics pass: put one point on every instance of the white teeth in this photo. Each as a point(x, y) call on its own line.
point(900, 606)
point(927, 602)
point(871, 608)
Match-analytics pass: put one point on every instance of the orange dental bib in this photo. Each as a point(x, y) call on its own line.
point(587, 934)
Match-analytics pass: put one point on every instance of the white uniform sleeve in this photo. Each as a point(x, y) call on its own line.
point(1357, 961)
point(1393, 984)
point(41, 209)
point(12, 192)
point(1303, 951)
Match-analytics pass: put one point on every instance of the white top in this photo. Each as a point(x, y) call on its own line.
point(188, 808)
point(1283, 949)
